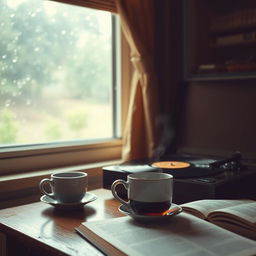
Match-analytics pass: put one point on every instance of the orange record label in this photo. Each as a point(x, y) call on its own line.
point(171, 164)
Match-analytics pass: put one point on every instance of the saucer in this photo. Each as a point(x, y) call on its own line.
point(89, 197)
point(172, 211)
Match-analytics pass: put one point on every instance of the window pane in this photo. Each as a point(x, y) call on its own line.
point(55, 72)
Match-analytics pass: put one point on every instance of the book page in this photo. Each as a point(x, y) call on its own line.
point(184, 234)
point(202, 208)
point(240, 219)
point(246, 212)
point(243, 230)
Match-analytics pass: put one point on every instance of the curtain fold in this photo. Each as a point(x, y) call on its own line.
point(104, 5)
point(138, 23)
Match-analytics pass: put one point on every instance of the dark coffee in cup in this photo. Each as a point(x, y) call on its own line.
point(149, 207)
point(147, 192)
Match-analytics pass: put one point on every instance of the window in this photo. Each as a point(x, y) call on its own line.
point(59, 92)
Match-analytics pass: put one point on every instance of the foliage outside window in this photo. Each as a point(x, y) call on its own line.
point(55, 73)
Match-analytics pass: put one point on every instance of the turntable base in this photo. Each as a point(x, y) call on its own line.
point(214, 184)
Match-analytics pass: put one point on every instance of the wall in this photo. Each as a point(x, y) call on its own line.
point(219, 118)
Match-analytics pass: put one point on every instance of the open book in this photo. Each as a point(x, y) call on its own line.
point(182, 234)
point(238, 216)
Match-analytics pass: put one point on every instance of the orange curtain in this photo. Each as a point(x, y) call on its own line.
point(138, 23)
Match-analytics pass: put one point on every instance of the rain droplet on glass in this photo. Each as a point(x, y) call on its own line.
point(20, 85)
point(3, 82)
point(7, 103)
point(33, 14)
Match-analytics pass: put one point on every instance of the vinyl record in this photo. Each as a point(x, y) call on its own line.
point(185, 169)
point(171, 165)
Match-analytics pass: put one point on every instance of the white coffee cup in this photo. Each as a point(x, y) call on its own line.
point(148, 192)
point(66, 187)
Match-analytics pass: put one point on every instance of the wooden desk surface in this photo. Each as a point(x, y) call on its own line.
point(40, 229)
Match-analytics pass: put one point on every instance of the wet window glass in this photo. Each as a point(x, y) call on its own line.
point(55, 72)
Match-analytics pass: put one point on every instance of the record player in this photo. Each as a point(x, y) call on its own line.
point(199, 141)
point(195, 177)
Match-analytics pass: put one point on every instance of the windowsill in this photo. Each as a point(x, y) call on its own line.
point(22, 188)
point(56, 157)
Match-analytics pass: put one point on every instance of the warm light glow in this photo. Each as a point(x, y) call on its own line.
point(167, 212)
point(171, 165)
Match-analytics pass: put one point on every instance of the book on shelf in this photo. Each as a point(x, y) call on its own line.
point(230, 66)
point(234, 39)
point(238, 216)
point(183, 234)
point(237, 19)
point(211, 68)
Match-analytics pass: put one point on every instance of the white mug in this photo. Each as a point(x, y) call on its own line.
point(148, 192)
point(66, 187)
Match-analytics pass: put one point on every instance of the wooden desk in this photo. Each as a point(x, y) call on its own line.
point(39, 229)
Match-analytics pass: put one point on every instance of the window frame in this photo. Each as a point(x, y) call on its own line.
point(16, 160)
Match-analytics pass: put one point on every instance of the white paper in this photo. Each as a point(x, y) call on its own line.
point(182, 235)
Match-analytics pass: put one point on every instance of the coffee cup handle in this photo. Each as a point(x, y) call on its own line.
point(43, 183)
point(113, 189)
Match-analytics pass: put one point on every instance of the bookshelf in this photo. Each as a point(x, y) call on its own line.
point(219, 39)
